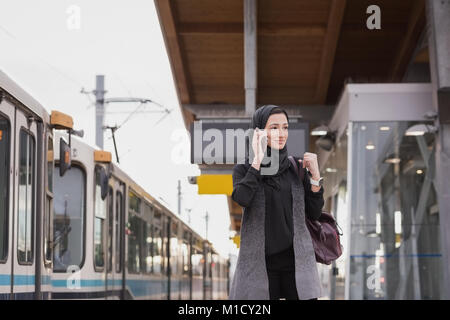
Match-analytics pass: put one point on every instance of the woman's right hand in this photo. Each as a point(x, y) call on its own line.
point(259, 145)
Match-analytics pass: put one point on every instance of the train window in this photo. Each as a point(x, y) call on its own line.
point(165, 246)
point(174, 249)
point(134, 243)
point(157, 250)
point(134, 202)
point(118, 223)
point(68, 222)
point(49, 203)
point(197, 262)
point(50, 163)
point(5, 155)
point(148, 248)
point(99, 223)
point(147, 238)
point(110, 229)
point(143, 245)
point(25, 204)
point(185, 257)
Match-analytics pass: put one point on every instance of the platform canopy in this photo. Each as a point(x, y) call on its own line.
point(230, 55)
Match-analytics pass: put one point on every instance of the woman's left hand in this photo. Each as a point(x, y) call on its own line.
point(310, 162)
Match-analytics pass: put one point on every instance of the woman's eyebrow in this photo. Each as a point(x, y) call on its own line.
point(275, 123)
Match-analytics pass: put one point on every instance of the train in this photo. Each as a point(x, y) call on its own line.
point(74, 225)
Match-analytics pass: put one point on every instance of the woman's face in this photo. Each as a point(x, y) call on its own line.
point(277, 130)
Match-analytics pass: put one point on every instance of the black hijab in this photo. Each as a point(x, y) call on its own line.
point(259, 120)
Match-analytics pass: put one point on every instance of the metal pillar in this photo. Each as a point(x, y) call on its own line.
point(250, 55)
point(99, 109)
point(438, 16)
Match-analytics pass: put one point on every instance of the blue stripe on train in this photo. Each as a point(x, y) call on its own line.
point(138, 288)
point(22, 280)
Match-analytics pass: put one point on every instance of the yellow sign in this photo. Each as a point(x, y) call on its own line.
point(215, 184)
point(236, 240)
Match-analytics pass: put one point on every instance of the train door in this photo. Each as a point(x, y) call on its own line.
point(25, 207)
point(109, 256)
point(114, 277)
point(45, 215)
point(119, 242)
point(6, 196)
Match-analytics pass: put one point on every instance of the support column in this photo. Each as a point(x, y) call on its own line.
point(250, 55)
point(438, 16)
point(99, 109)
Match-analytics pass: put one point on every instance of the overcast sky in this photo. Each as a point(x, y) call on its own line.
point(52, 54)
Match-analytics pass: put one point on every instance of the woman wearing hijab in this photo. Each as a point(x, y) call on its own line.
point(276, 256)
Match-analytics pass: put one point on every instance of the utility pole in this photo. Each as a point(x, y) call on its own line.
point(206, 223)
point(101, 102)
point(189, 215)
point(99, 109)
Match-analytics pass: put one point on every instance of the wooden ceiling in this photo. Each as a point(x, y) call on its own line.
point(306, 49)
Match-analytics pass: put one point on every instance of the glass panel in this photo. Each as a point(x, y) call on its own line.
point(47, 230)
point(110, 228)
point(5, 154)
point(25, 206)
point(143, 246)
point(197, 262)
point(48, 210)
point(335, 192)
point(50, 163)
point(185, 257)
point(174, 249)
point(134, 202)
point(148, 250)
point(157, 250)
point(99, 224)
point(69, 207)
point(395, 251)
point(134, 244)
point(118, 221)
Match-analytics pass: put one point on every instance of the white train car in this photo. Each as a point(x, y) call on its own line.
point(121, 243)
point(75, 226)
point(26, 192)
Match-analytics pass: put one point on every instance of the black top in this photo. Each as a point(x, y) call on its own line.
point(278, 219)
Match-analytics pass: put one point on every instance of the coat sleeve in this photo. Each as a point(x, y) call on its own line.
point(313, 200)
point(245, 184)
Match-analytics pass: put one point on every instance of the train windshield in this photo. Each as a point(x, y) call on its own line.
point(69, 208)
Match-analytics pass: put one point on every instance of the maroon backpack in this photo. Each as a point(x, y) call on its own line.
point(324, 231)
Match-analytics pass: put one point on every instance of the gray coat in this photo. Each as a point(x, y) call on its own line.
point(250, 281)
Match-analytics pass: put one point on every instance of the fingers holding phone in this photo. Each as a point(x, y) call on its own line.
point(259, 145)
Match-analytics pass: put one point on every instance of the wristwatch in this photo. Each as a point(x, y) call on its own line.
point(317, 183)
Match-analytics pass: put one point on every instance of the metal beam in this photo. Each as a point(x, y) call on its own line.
point(329, 48)
point(265, 29)
point(438, 15)
point(250, 55)
point(407, 46)
point(311, 113)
